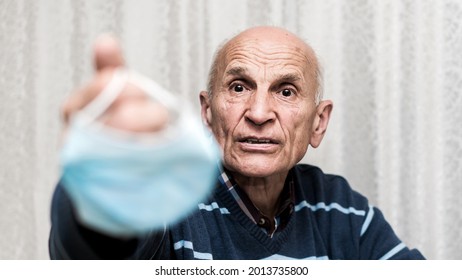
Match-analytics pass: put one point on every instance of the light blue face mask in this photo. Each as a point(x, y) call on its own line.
point(126, 184)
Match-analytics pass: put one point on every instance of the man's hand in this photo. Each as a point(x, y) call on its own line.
point(133, 110)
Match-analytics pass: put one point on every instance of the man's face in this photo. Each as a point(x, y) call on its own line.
point(263, 105)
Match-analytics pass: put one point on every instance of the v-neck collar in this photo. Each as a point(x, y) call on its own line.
point(245, 212)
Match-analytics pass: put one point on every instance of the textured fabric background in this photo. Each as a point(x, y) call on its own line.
point(392, 68)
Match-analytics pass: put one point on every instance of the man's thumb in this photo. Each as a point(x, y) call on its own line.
point(107, 52)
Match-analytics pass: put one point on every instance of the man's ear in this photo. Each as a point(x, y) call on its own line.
point(321, 120)
point(206, 114)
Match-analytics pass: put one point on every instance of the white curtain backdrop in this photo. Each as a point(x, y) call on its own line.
point(392, 68)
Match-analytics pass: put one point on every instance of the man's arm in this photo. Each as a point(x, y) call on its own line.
point(379, 241)
point(69, 239)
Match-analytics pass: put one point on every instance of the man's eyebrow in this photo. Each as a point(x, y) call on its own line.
point(236, 71)
point(290, 77)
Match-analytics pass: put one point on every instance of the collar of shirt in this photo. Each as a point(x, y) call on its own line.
point(286, 204)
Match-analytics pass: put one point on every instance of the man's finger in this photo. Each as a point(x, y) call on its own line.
point(107, 53)
point(85, 95)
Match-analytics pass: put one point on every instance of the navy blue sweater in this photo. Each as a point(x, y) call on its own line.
point(330, 221)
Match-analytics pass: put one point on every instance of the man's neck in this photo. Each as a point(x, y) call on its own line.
point(263, 192)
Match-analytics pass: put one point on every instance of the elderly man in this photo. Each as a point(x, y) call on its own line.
point(264, 107)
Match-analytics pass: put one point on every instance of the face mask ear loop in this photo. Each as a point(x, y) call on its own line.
point(154, 91)
point(103, 100)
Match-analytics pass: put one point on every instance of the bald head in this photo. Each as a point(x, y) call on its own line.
point(266, 36)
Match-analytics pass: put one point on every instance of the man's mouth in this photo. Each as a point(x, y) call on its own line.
point(258, 141)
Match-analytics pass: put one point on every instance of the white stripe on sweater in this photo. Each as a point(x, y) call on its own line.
point(189, 245)
point(212, 206)
point(393, 251)
point(282, 257)
point(334, 205)
point(368, 220)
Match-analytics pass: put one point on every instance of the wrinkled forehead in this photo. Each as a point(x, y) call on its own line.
point(286, 51)
point(265, 52)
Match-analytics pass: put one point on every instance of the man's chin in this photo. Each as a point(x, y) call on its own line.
point(255, 169)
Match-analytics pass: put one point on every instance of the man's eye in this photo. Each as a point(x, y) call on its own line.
point(238, 88)
point(286, 92)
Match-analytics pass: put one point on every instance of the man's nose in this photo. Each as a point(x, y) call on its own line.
point(260, 108)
